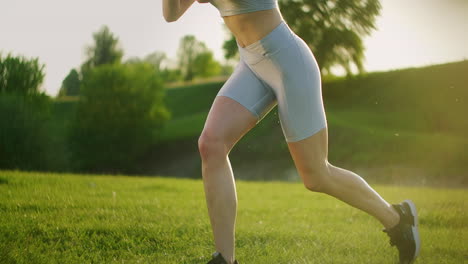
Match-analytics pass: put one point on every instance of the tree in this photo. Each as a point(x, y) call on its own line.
point(171, 75)
point(189, 48)
point(156, 59)
point(105, 50)
point(20, 75)
point(230, 47)
point(118, 118)
point(195, 59)
point(333, 29)
point(161, 65)
point(205, 65)
point(71, 84)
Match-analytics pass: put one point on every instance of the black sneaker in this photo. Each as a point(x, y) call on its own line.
point(405, 235)
point(219, 259)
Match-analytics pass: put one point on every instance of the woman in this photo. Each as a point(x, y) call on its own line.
point(277, 67)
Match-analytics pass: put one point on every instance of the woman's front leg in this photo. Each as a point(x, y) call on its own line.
point(227, 122)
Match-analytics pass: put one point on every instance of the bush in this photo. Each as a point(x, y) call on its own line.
point(24, 132)
point(24, 114)
point(119, 117)
point(20, 75)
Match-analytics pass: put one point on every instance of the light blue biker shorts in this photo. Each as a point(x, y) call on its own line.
point(280, 69)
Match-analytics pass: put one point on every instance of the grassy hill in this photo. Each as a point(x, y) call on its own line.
point(70, 218)
point(389, 126)
point(403, 126)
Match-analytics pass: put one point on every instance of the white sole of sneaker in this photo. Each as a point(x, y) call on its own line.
point(415, 227)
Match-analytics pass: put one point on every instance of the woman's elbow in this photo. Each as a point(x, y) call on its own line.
point(170, 17)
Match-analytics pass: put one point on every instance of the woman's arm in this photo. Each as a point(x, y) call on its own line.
point(174, 9)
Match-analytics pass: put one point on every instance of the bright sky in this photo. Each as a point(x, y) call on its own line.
point(410, 33)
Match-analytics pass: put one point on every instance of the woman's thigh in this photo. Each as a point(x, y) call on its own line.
point(227, 122)
point(240, 104)
point(294, 76)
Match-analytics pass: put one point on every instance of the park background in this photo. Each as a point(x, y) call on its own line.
point(101, 109)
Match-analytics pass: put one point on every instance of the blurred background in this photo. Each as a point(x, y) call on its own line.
point(110, 87)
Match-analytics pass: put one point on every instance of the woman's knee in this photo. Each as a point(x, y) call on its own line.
point(316, 178)
point(211, 146)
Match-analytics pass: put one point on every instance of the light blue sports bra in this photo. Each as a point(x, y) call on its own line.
point(235, 7)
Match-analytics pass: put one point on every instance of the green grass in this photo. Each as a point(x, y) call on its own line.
point(184, 127)
point(65, 218)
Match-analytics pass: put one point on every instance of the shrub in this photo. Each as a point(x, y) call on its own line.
point(24, 131)
point(119, 116)
point(24, 114)
point(20, 75)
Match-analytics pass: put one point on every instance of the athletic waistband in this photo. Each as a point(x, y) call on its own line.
point(273, 41)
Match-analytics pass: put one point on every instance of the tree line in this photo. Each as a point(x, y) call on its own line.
point(194, 60)
point(120, 112)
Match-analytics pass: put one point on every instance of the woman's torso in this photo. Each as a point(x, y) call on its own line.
point(250, 27)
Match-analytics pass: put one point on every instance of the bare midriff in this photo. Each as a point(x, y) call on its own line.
point(250, 27)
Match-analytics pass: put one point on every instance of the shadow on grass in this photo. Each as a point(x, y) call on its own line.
point(3, 181)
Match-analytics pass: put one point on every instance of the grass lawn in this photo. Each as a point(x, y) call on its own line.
point(66, 218)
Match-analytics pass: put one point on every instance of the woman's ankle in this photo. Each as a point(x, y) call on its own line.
point(393, 218)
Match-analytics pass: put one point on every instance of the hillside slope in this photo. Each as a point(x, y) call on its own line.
point(400, 126)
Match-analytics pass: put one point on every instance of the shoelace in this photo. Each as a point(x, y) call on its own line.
point(394, 235)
